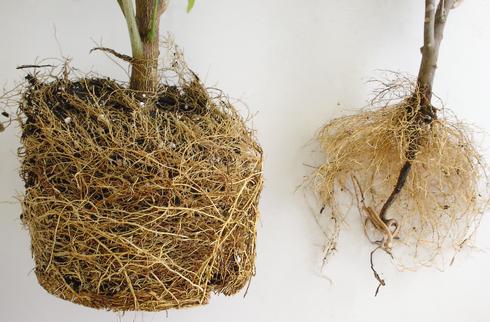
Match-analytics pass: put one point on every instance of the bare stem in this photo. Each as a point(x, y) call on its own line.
point(427, 66)
point(434, 23)
point(152, 34)
point(134, 35)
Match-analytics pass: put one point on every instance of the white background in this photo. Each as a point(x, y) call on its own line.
point(297, 64)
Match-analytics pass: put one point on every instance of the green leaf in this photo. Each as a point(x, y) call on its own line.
point(190, 5)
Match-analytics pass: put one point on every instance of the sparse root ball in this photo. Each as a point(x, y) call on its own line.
point(134, 202)
point(446, 191)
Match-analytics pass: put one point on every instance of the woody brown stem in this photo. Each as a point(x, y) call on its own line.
point(434, 22)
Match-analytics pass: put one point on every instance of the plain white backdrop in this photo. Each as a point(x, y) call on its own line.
point(296, 64)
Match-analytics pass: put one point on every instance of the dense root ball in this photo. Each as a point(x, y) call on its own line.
point(135, 202)
point(445, 194)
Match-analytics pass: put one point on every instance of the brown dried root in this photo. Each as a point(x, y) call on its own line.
point(445, 193)
point(138, 208)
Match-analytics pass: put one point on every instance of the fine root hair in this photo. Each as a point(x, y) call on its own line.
point(137, 202)
point(445, 193)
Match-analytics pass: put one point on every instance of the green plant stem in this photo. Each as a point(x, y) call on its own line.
point(134, 35)
point(154, 22)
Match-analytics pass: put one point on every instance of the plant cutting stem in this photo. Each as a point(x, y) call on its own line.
point(134, 36)
point(434, 23)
